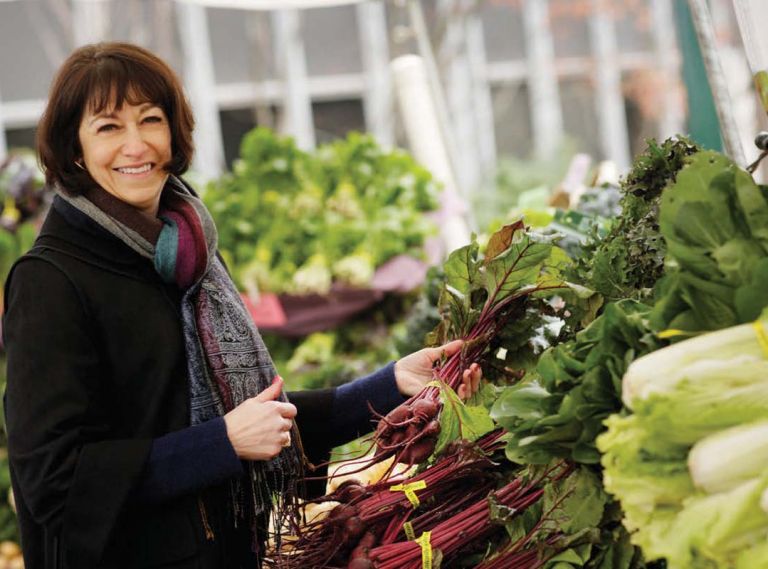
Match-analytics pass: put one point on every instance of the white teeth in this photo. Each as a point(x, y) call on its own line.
point(140, 170)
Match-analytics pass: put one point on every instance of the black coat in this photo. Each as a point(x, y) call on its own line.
point(96, 371)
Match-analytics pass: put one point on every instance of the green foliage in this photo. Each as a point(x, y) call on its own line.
point(558, 411)
point(714, 219)
point(460, 421)
point(291, 221)
point(516, 264)
point(629, 260)
point(575, 525)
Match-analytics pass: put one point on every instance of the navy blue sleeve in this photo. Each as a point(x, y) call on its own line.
point(189, 460)
point(351, 415)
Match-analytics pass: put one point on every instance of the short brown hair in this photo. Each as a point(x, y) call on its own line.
point(96, 76)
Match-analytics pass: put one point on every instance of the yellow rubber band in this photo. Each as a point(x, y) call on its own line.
point(426, 549)
point(408, 529)
point(671, 333)
point(409, 490)
point(762, 335)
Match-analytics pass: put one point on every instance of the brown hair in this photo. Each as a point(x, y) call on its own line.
point(95, 77)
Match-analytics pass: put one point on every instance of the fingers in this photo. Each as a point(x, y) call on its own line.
point(272, 392)
point(476, 374)
point(470, 381)
point(286, 439)
point(286, 410)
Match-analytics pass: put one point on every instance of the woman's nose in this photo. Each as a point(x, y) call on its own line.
point(134, 143)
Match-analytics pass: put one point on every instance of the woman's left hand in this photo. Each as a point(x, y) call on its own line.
point(414, 371)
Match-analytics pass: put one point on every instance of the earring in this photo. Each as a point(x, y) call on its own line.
point(79, 164)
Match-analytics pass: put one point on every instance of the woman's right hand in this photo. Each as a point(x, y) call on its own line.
point(260, 427)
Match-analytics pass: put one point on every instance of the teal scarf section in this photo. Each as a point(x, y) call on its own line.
point(166, 250)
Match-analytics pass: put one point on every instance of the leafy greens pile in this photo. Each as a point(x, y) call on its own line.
point(627, 262)
point(558, 414)
point(558, 411)
point(714, 219)
point(688, 465)
point(292, 221)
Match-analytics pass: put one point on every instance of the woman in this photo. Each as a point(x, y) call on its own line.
point(146, 423)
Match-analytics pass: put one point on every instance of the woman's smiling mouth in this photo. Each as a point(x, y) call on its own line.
point(136, 170)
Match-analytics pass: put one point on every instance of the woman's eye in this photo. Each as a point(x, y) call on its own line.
point(153, 119)
point(106, 127)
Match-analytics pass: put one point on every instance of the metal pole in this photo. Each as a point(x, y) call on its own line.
point(419, 25)
point(612, 118)
point(91, 20)
point(543, 87)
point(199, 79)
point(292, 65)
point(458, 89)
point(378, 100)
point(667, 54)
point(705, 34)
point(422, 125)
point(482, 100)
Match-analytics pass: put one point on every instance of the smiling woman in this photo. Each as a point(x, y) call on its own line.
point(126, 151)
point(146, 422)
point(99, 92)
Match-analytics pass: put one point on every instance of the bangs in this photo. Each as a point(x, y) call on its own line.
point(100, 79)
point(114, 81)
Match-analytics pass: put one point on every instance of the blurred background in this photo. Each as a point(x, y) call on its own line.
point(501, 106)
point(524, 79)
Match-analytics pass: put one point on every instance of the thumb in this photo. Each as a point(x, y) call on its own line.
point(272, 392)
point(448, 349)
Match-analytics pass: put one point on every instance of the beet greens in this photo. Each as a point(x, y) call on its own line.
point(480, 295)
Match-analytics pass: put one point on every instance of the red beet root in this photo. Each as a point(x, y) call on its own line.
point(353, 528)
point(419, 451)
point(432, 429)
point(424, 409)
point(360, 563)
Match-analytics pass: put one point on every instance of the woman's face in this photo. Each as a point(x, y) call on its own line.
point(124, 152)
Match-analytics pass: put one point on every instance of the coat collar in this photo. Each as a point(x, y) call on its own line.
point(67, 229)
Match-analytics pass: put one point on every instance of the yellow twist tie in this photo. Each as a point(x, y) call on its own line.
point(671, 333)
point(762, 335)
point(426, 550)
point(408, 529)
point(409, 490)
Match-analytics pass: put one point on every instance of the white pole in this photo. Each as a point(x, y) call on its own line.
point(751, 16)
point(427, 144)
point(378, 102)
point(440, 107)
point(458, 87)
point(611, 115)
point(668, 58)
point(543, 87)
point(481, 95)
point(705, 34)
point(292, 66)
point(200, 82)
point(91, 20)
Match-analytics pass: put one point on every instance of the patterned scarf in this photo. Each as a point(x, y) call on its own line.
point(226, 358)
